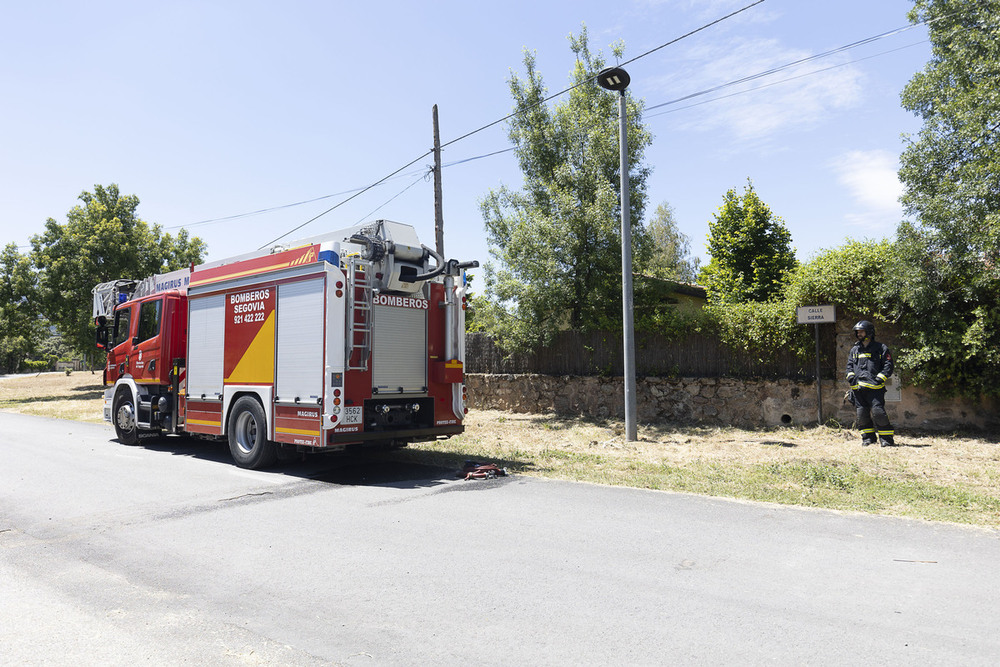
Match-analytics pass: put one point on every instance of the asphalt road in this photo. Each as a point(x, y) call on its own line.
point(168, 554)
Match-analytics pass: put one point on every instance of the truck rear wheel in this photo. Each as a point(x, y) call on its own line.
point(248, 441)
point(124, 418)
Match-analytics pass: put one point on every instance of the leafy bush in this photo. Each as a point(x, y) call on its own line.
point(764, 329)
point(853, 277)
point(37, 365)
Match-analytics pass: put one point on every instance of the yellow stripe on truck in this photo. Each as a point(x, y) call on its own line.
point(294, 431)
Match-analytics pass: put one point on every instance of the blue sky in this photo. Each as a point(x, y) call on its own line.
point(207, 110)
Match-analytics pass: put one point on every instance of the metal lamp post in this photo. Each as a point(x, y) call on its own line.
point(616, 79)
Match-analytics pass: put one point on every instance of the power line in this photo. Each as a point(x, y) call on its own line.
point(396, 174)
point(773, 83)
point(282, 206)
point(693, 32)
point(594, 77)
point(479, 157)
point(423, 177)
point(656, 106)
point(356, 194)
point(511, 115)
point(780, 68)
point(751, 77)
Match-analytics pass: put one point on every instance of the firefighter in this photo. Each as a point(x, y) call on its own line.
point(869, 365)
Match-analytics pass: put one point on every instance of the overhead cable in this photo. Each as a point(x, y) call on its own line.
point(768, 85)
point(509, 116)
point(775, 70)
point(358, 191)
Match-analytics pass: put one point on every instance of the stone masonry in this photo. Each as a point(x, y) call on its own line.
point(716, 401)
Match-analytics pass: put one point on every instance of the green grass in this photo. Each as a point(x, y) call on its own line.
point(831, 484)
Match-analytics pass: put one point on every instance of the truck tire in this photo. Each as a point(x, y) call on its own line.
point(248, 441)
point(123, 415)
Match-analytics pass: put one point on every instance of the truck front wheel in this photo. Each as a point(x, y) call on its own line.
point(124, 418)
point(248, 441)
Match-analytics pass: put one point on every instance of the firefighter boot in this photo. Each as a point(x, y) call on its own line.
point(868, 438)
point(886, 441)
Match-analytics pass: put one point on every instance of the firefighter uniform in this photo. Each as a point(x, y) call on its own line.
point(869, 365)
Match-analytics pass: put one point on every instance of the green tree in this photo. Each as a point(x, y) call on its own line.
point(52, 348)
point(947, 261)
point(670, 252)
point(102, 240)
point(557, 240)
point(21, 329)
point(853, 276)
point(750, 251)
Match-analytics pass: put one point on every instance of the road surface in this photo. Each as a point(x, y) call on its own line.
point(169, 554)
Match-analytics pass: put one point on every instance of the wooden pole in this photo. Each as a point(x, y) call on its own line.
point(819, 382)
point(438, 210)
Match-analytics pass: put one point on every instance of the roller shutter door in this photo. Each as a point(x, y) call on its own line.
point(206, 337)
point(399, 350)
point(299, 355)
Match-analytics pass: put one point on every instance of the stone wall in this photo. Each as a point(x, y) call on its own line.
point(715, 401)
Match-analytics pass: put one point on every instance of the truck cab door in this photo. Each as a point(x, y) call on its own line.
point(145, 356)
point(119, 344)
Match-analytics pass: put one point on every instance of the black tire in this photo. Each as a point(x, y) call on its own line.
point(247, 430)
point(123, 416)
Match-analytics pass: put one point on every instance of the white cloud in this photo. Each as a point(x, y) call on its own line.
point(710, 10)
point(870, 177)
point(767, 107)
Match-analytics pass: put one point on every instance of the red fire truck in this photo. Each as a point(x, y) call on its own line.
point(351, 338)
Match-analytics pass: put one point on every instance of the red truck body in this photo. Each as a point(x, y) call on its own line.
point(348, 339)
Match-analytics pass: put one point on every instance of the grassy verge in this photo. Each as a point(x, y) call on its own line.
point(78, 396)
point(937, 477)
point(954, 478)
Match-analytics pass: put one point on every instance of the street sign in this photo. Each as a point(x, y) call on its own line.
point(816, 314)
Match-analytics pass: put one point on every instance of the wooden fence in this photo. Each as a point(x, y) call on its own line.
point(600, 353)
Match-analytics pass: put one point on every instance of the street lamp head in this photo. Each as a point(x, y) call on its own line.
point(613, 78)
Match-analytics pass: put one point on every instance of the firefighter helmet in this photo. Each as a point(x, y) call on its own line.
point(867, 327)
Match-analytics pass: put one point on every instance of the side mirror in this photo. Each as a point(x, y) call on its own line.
point(101, 334)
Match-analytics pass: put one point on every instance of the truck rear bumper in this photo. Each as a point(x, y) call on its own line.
point(409, 435)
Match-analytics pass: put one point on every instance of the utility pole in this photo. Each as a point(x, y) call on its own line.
point(438, 210)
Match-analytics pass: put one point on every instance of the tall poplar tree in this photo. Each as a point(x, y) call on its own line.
point(670, 256)
point(556, 241)
point(750, 248)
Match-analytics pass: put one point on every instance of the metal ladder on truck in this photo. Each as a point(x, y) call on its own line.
point(359, 318)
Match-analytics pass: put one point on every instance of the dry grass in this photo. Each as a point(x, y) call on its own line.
point(941, 477)
point(929, 476)
point(78, 396)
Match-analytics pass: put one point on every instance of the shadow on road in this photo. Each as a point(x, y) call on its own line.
point(403, 468)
